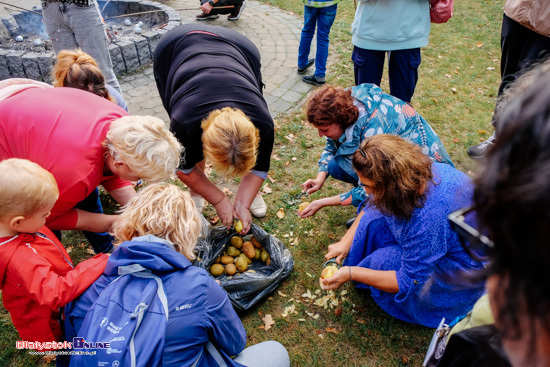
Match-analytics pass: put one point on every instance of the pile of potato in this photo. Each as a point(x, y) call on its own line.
point(238, 256)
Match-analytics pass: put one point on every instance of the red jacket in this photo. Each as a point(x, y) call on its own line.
point(37, 278)
point(61, 129)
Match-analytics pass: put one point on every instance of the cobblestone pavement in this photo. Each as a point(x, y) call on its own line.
point(275, 32)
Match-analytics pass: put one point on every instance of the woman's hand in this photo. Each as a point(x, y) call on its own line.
point(224, 209)
point(338, 250)
point(336, 280)
point(312, 208)
point(313, 184)
point(244, 215)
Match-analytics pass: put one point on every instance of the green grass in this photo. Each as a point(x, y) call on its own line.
point(460, 55)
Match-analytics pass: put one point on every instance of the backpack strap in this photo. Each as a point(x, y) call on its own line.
point(142, 272)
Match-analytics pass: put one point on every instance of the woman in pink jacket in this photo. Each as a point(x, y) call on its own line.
point(84, 141)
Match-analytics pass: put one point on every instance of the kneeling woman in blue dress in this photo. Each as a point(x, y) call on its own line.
point(401, 245)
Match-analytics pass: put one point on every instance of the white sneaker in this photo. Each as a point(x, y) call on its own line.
point(199, 202)
point(258, 208)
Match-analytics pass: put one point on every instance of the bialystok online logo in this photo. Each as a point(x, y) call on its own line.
point(76, 344)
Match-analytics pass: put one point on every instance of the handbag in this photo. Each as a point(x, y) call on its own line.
point(441, 10)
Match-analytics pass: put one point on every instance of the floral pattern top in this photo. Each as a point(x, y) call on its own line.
point(380, 113)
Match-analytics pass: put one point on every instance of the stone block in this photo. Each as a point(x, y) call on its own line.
point(11, 25)
point(116, 57)
point(129, 53)
point(30, 64)
point(46, 60)
point(15, 64)
point(153, 38)
point(4, 69)
point(142, 47)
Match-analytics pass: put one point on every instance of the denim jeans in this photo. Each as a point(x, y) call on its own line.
point(100, 242)
point(71, 26)
point(336, 172)
point(323, 18)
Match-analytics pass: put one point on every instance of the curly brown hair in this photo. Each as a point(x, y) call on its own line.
point(330, 105)
point(400, 173)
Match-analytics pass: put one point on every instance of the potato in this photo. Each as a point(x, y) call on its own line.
point(216, 270)
point(238, 225)
point(264, 255)
point(232, 251)
point(328, 271)
point(255, 242)
point(218, 259)
point(248, 249)
point(241, 264)
point(227, 260)
point(303, 206)
point(236, 241)
point(258, 254)
point(248, 260)
point(230, 269)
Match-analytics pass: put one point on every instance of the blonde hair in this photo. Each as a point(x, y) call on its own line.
point(145, 145)
point(25, 187)
point(163, 210)
point(77, 69)
point(230, 141)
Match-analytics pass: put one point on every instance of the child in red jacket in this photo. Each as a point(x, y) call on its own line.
point(37, 276)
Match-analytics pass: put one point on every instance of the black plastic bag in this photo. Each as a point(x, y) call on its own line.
point(248, 288)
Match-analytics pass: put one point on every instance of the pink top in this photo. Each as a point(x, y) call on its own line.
point(61, 129)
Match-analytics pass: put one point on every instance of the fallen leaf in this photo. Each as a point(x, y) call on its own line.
point(405, 360)
point(227, 192)
point(337, 312)
point(454, 90)
point(281, 294)
point(435, 100)
point(82, 244)
point(287, 163)
point(276, 157)
point(331, 330)
point(361, 321)
point(456, 140)
point(302, 320)
point(280, 213)
point(479, 44)
point(288, 310)
point(69, 249)
point(266, 189)
point(490, 68)
point(309, 275)
point(268, 321)
point(294, 159)
point(90, 251)
point(482, 131)
point(271, 179)
point(214, 219)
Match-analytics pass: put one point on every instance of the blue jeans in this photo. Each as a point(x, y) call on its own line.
point(100, 242)
point(323, 18)
point(368, 66)
point(336, 172)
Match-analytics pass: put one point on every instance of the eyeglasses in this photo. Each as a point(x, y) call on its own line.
point(476, 244)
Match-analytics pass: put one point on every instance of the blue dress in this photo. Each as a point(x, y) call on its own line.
point(422, 251)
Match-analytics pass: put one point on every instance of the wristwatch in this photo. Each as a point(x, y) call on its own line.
point(210, 2)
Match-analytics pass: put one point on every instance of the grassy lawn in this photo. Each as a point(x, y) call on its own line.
point(459, 77)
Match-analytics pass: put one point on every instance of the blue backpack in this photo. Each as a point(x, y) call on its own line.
point(126, 325)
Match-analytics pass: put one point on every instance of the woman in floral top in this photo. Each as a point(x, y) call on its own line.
point(346, 117)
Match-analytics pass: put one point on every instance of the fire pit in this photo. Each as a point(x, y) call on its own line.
point(26, 51)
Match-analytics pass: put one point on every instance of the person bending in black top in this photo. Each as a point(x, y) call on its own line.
point(210, 83)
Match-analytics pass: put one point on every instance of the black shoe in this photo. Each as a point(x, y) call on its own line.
point(236, 13)
point(204, 16)
point(312, 79)
point(480, 150)
point(309, 63)
point(349, 223)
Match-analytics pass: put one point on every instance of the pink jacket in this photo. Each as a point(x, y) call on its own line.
point(37, 277)
point(532, 14)
point(61, 129)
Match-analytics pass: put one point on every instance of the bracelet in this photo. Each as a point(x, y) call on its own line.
point(349, 267)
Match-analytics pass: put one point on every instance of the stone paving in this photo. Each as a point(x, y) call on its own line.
point(275, 32)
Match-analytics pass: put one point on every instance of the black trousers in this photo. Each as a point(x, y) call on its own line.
point(521, 48)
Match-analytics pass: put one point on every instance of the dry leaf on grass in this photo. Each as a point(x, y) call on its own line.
point(266, 189)
point(268, 322)
point(331, 330)
point(276, 157)
point(69, 249)
point(90, 251)
point(214, 219)
point(280, 213)
point(227, 192)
